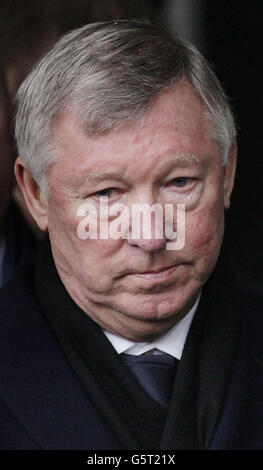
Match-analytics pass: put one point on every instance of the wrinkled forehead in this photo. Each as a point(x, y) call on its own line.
point(176, 107)
point(175, 132)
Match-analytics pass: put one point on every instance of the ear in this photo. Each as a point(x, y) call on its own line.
point(35, 200)
point(229, 174)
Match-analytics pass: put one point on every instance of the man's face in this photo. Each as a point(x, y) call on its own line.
point(136, 287)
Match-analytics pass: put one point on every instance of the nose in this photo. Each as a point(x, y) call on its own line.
point(150, 245)
point(146, 229)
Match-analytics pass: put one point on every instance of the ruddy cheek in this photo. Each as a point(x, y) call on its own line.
point(204, 243)
point(104, 250)
point(204, 233)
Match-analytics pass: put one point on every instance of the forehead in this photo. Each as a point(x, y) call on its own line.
point(176, 125)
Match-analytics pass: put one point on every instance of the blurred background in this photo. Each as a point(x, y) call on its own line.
point(228, 33)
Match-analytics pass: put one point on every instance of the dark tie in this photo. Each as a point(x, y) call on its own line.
point(155, 373)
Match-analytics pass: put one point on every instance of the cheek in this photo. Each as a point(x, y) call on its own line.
point(99, 251)
point(66, 223)
point(97, 263)
point(204, 230)
point(89, 261)
point(62, 225)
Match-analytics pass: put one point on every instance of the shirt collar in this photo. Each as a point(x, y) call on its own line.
point(171, 342)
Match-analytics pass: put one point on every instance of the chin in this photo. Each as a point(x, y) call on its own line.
point(160, 307)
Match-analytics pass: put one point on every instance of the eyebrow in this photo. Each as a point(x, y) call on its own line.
point(100, 175)
point(184, 160)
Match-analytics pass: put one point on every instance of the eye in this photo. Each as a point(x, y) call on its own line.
point(181, 181)
point(108, 192)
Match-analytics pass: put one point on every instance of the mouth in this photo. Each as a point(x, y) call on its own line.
point(154, 278)
point(158, 274)
point(157, 271)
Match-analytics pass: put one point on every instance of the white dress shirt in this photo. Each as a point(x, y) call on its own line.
point(171, 342)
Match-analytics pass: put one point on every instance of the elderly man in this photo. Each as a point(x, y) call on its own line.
point(117, 339)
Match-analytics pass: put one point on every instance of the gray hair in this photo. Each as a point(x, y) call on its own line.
point(111, 73)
